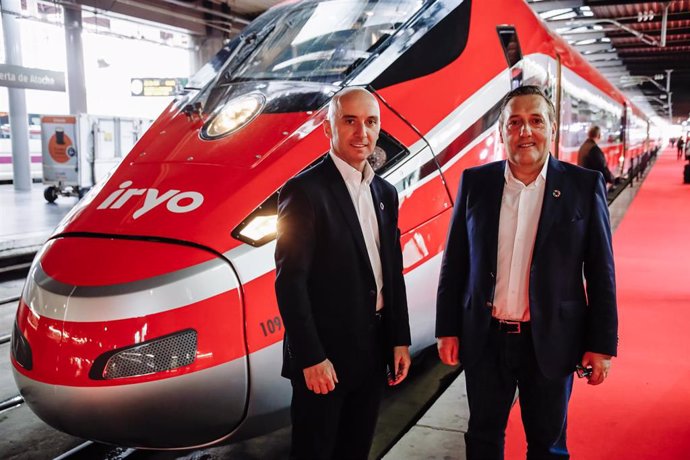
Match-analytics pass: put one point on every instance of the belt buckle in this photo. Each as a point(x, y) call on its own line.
point(511, 327)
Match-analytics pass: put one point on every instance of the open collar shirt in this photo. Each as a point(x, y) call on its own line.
point(358, 186)
point(517, 231)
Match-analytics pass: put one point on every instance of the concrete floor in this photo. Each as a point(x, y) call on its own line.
point(27, 219)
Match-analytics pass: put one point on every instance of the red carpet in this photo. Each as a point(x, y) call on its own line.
point(643, 410)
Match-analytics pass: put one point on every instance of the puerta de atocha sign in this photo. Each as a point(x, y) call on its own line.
point(15, 76)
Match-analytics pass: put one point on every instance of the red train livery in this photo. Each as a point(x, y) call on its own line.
point(149, 318)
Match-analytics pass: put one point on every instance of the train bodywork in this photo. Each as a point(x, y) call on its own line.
point(149, 318)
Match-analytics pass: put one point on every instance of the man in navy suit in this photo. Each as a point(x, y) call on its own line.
point(512, 305)
point(340, 288)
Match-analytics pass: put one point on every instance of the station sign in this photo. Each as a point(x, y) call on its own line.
point(156, 86)
point(15, 76)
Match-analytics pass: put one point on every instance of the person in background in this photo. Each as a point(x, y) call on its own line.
point(591, 157)
point(680, 144)
point(340, 288)
point(527, 288)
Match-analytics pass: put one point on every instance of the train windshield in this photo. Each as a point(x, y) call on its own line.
point(318, 41)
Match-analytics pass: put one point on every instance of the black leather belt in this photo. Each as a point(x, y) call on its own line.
point(510, 327)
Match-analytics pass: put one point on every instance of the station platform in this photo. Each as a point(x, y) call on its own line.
point(641, 411)
point(27, 219)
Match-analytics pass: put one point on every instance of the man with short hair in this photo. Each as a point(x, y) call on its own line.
point(512, 306)
point(340, 288)
point(590, 155)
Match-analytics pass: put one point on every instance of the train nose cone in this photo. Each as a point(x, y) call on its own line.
point(150, 354)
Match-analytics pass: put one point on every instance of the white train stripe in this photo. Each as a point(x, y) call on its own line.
point(169, 292)
point(460, 119)
point(251, 262)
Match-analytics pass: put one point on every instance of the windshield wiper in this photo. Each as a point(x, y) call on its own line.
point(197, 107)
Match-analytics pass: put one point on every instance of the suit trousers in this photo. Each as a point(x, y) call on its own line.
point(339, 425)
point(509, 362)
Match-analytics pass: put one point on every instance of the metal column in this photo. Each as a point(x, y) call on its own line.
point(76, 82)
point(204, 49)
point(19, 124)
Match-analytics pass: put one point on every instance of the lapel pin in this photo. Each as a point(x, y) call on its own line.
point(381, 205)
point(556, 193)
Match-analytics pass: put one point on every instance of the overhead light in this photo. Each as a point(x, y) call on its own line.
point(643, 16)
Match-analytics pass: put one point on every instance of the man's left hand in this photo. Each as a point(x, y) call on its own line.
point(600, 365)
point(401, 362)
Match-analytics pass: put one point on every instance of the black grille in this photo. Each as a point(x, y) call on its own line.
point(157, 355)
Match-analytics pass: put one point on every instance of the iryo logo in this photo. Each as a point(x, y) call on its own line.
point(176, 201)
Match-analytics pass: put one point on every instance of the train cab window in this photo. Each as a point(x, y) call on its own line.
point(513, 54)
point(320, 41)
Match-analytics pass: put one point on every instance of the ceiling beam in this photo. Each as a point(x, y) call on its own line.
point(593, 47)
point(193, 18)
point(610, 63)
point(621, 68)
point(594, 35)
point(603, 56)
point(550, 5)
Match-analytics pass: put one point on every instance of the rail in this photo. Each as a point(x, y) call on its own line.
point(636, 171)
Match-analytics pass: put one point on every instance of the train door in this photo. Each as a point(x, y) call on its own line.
point(405, 160)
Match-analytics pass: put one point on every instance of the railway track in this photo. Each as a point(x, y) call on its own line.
point(90, 450)
point(13, 266)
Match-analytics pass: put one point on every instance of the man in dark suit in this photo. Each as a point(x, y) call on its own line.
point(340, 288)
point(512, 306)
point(590, 155)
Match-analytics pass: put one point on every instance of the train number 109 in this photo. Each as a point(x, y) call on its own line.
point(271, 326)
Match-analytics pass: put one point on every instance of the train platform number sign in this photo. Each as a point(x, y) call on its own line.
point(14, 76)
point(156, 86)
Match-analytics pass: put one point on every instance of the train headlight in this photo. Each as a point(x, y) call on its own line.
point(235, 114)
point(260, 226)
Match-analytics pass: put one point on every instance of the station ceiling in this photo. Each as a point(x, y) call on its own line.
point(634, 43)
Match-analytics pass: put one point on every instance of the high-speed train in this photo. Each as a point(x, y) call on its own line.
point(149, 317)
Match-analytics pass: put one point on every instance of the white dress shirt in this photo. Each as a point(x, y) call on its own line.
point(517, 230)
point(358, 186)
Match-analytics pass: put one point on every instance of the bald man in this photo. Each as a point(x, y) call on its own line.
point(340, 288)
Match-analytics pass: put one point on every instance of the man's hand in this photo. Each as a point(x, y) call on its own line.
point(448, 348)
point(401, 362)
point(321, 378)
point(600, 365)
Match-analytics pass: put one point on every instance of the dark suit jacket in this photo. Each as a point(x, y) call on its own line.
point(591, 157)
point(324, 281)
point(573, 238)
